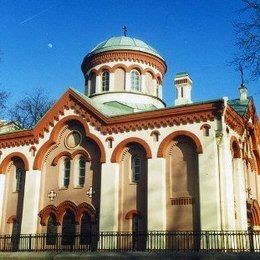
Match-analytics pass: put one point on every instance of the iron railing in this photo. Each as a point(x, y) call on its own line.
point(211, 241)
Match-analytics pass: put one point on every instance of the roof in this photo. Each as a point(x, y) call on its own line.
point(240, 106)
point(115, 108)
point(124, 43)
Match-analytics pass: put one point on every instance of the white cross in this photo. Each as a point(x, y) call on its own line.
point(90, 192)
point(52, 195)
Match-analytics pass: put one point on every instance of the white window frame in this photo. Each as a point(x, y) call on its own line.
point(135, 78)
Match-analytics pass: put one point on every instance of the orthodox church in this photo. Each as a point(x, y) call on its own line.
point(115, 158)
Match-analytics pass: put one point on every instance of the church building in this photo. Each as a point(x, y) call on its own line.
point(116, 159)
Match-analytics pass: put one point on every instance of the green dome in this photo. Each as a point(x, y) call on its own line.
point(124, 43)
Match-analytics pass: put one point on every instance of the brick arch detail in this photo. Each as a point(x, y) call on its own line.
point(148, 70)
point(119, 66)
point(60, 155)
point(83, 153)
point(234, 147)
point(104, 68)
point(255, 211)
point(54, 137)
point(135, 67)
point(63, 207)
point(45, 213)
point(165, 142)
point(132, 213)
point(12, 219)
point(85, 207)
point(60, 210)
point(119, 148)
point(10, 157)
point(205, 126)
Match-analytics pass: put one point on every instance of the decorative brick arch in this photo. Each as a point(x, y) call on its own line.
point(119, 148)
point(135, 67)
point(132, 213)
point(234, 147)
point(158, 78)
point(85, 207)
point(119, 66)
point(62, 207)
point(10, 157)
point(165, 142)
point(148, 70)
point(60, 210)
point(205, 126)
point(254, 209)
point(92, 72)
point(60, 155)
point(104, 68)
point(54, 136)
point(83, 153)
point(12, 219)
point(45, 213)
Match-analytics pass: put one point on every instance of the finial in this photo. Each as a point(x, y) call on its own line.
point(125, 30)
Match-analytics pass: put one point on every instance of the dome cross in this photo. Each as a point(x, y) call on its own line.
point(125, 30)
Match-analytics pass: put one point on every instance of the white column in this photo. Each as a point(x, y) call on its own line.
point(127, 81)
point(2, 191)
point(98, 84)
point(240, 195)
point(111, 81)
point(143, 85)
point(227, 185)
point(31, 202)
point(156, 215)
point(209, 185)
point(109, 197)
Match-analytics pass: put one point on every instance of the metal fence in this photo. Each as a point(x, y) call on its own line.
point(210, 241)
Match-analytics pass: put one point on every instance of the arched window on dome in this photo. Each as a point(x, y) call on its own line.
point(105, 81)
point(135, 80)
point(82, 169)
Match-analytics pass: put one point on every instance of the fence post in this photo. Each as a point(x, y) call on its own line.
point(30, 242)
point(251, 240)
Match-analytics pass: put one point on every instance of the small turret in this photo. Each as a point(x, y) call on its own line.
point(183, 84)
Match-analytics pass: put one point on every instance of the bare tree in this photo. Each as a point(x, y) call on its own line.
point(3, 100)
point(30, 109)
point(248, 39)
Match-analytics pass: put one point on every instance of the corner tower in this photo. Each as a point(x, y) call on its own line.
point(127, 71)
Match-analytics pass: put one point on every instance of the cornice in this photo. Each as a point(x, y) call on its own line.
point(234, 121)
point(144, 120)
point(123, 55)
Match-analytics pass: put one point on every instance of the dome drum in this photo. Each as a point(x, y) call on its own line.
point(124, 69)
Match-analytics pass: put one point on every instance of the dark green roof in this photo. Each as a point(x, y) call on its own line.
point(240, 106)
point(124, 43)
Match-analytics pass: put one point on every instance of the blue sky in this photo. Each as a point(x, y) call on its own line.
point(43, 42)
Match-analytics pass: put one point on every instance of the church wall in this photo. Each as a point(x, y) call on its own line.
point(208, 175)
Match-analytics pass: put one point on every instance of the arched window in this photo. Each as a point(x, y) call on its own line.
point(105, 81)
point(19, 179)
point(92, 86)
point(85, 229)
point(82, 168)
point(135, 80)
point(66, 176)
point(51, 236)
point(136, 168)
point(68, 228)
